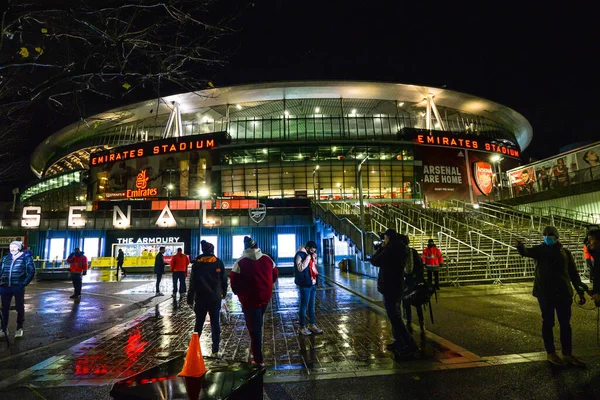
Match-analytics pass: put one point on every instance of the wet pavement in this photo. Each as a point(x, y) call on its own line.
point(130, 330)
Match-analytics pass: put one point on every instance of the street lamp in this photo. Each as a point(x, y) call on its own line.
point(203, 193)
point(362, 205)
point(315, 172)
point(169, 188)
point(497, 159)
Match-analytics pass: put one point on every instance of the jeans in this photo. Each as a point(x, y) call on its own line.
point(179, 276)
point(158, 279)
point(307, 300)
point(402, 337)
point(6, 295)
point(563, 312)
point(408, 312)
point(254, 322)
point(76, 279)
point(213, 311)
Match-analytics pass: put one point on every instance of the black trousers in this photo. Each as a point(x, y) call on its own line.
point(6, 295)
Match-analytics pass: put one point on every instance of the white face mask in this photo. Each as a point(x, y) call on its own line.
point(14, 249)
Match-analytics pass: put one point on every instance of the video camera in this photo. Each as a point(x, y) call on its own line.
point(377, 244)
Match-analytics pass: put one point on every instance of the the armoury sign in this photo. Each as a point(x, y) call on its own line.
point(484, 176)
point(32, 217)
point(159, 147)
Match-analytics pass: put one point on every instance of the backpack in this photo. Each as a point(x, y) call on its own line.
point(419, 294)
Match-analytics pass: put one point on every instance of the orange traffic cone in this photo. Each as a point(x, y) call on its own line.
point(193, 365)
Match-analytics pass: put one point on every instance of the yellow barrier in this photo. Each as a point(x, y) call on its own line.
point(110, 262)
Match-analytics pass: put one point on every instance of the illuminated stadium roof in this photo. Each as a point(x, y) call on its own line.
point(69, 138)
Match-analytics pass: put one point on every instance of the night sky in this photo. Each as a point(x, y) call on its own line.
point(534, 59)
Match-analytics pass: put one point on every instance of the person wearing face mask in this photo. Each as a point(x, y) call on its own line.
point(305, 277)
point(555, 277)
point(16, 271)
point(78, 266)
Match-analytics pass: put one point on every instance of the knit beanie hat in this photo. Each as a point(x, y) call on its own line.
point(249, 242)
point(311, 244)
point(18, 244)
point(207, 248)
point(550, 231)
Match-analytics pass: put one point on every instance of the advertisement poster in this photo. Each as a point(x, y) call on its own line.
point(523, 180)
point(444, 174)
point(169, 175)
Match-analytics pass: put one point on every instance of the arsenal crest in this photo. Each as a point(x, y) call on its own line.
point(484, 177)
point(258, 214)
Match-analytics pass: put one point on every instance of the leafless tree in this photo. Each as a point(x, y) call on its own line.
point(66, 55)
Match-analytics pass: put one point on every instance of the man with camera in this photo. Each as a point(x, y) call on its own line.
point(555, 272)
point(391, 257)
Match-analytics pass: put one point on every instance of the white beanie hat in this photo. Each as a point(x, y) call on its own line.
point(18, 244)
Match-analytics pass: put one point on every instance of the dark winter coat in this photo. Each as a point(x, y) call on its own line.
point(391, 260)
point(159, 264)
point(120, 258)
point(18, 272)
point(555, 271)
point(595, 269)
point(208, 282)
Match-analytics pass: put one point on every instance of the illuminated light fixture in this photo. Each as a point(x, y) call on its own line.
point(476, 206)
point(239, 107)
point(317, 167)
point(359, 156)
point(101, 187)
point(265, 151)
point(496, 158)
point(299, 155)
point(286, 113)
point(203, 192)
point(339, 185)
point(353, 111)
point(400, 104)
point(170, 186)
point(317, 110)
point(334, 148)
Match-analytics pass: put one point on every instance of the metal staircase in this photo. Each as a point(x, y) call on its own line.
point(478, 242)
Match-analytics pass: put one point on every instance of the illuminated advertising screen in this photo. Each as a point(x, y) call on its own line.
point(175, 167)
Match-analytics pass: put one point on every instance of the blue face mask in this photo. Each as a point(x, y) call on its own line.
point(549, 240)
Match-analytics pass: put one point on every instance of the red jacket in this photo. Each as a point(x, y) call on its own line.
point(77, 264)
point(432, 258)
point(179, 263)
point(252, 278)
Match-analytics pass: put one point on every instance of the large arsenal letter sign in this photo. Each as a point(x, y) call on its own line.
point(482, 172)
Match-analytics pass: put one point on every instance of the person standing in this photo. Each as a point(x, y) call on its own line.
point(555, 272)
point(120, 261)
point(305, 277)
point(78, 266)
point(413, 275)
point(179, 266)
point(593, 246)
point(391, 258)
point(208, 286)
point(159, 268)
point(252, 279)
point(433, 260)
point(16, 271)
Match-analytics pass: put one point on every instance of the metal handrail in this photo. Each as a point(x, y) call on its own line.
point(423, 221)
point(442, 235)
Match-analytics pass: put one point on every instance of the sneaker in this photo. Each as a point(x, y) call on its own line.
point(159, 294)
point(19, 333)
point(555, 359)
point(407, 351)
point(262, 364)
point(305, 332)
point(571, 359)
point(315, 329)
point(215, 354)
point(72, 296)
point(2, 334)
point(76, 298)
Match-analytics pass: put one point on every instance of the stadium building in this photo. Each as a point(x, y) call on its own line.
point(247, 160)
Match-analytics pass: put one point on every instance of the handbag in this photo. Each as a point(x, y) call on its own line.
point(224, 314)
